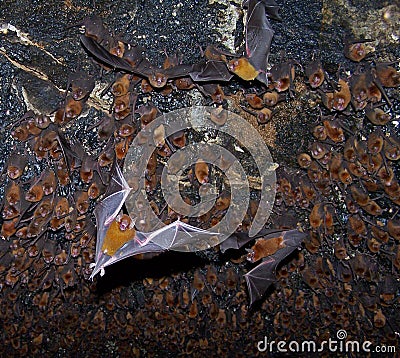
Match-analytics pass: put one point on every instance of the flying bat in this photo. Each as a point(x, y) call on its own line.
point(239, 239)
point(118, 239)
point(262, 276)
point(259, 34)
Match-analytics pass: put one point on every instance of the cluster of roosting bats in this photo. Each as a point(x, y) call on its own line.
point(31, 211)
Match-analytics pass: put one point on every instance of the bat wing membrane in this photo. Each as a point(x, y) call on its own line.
point(181, 236)
point(101, 54)
point(260, 278)
point(259, 34)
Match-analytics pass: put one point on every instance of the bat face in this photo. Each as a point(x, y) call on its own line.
point(81, 85)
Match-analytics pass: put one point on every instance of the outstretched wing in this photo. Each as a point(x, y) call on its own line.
point(117, 192)
point(259, 34)
point(262, 276)
point(180, 236)
point(107, 209)
point(210, 71)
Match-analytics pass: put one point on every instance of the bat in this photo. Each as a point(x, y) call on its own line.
point(157, 77)
point(212, 90)
point(94, 28)
point(211, 70)
point(262, 276)
point(101, 54)
point(315, 73)
point(214, 53)
point(81, 85)
point(117, 238)
point(259, 33)
point(239, 239)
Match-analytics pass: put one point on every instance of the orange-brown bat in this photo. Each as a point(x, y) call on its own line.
point(262, 276)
